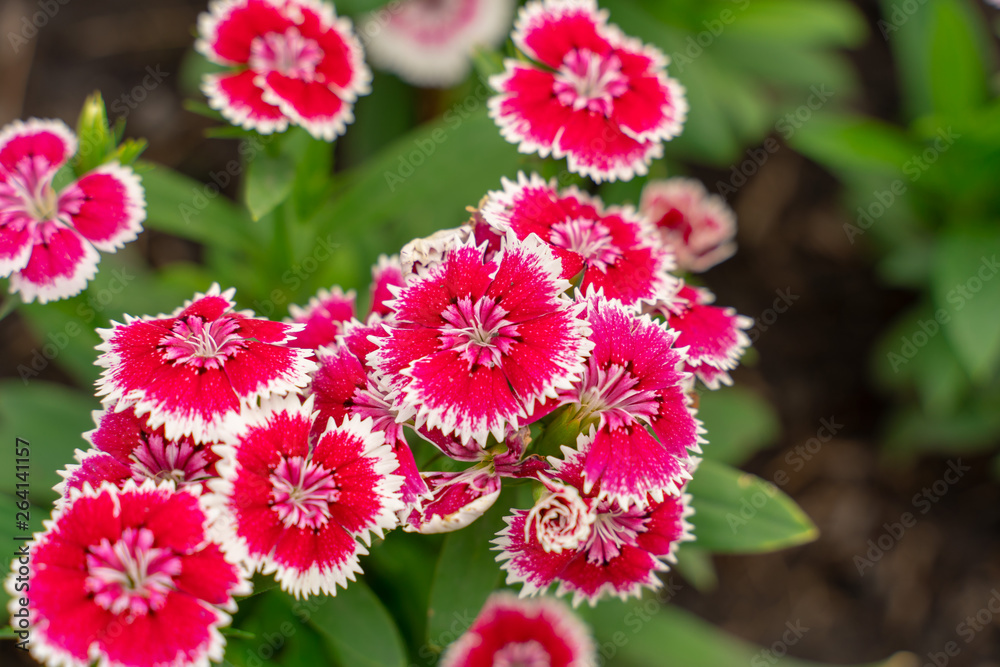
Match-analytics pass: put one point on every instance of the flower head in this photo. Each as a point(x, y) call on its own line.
point(616, 250)
point(323, 318)
point(591, 94)
point(531, 633)
point(49, 239)
point(192, 370)
point(127, 576)
point(477, 343)
point(430, 42)
point(697, 226)
point(294, 62)
point(297, 504)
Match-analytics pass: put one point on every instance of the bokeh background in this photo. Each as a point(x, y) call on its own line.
point(851, 93)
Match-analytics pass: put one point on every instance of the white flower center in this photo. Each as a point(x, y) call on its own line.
point(287, 53)
point(591, 81)
point(131, 574)
point(562, 520)
point(202, 344)
point(522, 654)
point(612, 529)
point(588, 238)
point(478, 332)
point(302, 493)
point(27, 191)
point(181, 462)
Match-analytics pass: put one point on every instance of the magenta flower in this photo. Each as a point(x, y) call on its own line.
point(590, 545)
point(430, 42)
point(386, 272)
point(715, 337)
point(294, 61)
point(299, 509)
point(535, 633)
point(323, 318)
point(593, 95)
point(49, 240)
point(128, 577)
point(192, 370)
point(697, 226)
point(616, 250)
point(632, 403)
point(476, 343)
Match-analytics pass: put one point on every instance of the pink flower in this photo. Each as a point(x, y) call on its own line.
point(294, 61)
point(49, 240)
point(633, 408)
point(124, 447)
point(593, 95)
point(323, 318)
point(697, 226)
point(714, 336)
point(477, 343)
point(191, 370)
point(534, 633)
point(590, 545)
point(128, 577)
point(386, 272)
point(616, 250)
point(299, 509)
point(430, 42)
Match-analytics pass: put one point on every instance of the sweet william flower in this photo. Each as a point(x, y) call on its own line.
point(300, 505)
point(323, 318)
point(589, 93)
point(128, 577)
point(535, 633)
point(431, 42)
point(190, 371)
point(49, 239)
point(293, 62)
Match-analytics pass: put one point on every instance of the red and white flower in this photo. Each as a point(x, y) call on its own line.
point(323, 318)
point(477, 343)
point(533, 633)
point(593, 95)
point(124, 447)
point(387, 271)
point(192, 370)
point(615, 249)
point(430, 42)
point(631, 403)
point(49, 239)
point(714, 336)
point(294, 61)
point(128, 577)
point(699, 227)
point(590, 545)
point(297, 509)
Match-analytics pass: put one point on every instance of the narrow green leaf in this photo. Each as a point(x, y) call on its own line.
point(357, 628)
point(269, 182)
point(739, 423)
point(736, 512)
point(696, 566)
point(853, 144)
point(956, 61)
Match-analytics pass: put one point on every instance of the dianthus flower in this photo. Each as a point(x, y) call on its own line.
point(296, 504)
point(191, 370)
point(615, 249)
point(535, 633)
point(49, 240)
point(593, 95)
point(430, 42)
point(323, 318)
point(699, 227)
point(128, 577)
point(590, 545)
point(477, 343)
point(294, 61)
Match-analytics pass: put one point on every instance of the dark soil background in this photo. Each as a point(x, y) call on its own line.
point(812, 362)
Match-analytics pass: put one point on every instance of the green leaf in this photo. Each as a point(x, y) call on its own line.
point(357, 628)
point(853, 145)
point(696, 566)
point(94, 135)
point(736, 512)
point(739, 423)
point(814, 23)
point(466, 557)
point(269, 182)
point(955, 58)
point(966, 286)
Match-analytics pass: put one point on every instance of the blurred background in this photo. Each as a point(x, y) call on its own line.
point(858, 142)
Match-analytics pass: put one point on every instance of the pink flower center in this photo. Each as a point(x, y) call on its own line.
point(591, 81)
point(371, 401)
point(181, 462)
point(588, 238)
point(302, 493)
point(131, 574)
point(27, 191)
point(522, 654)
point(612, 529)
point(610, 392)
point(202, 344)
point(478, 332)
point(562, 520)
point(287, 53)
